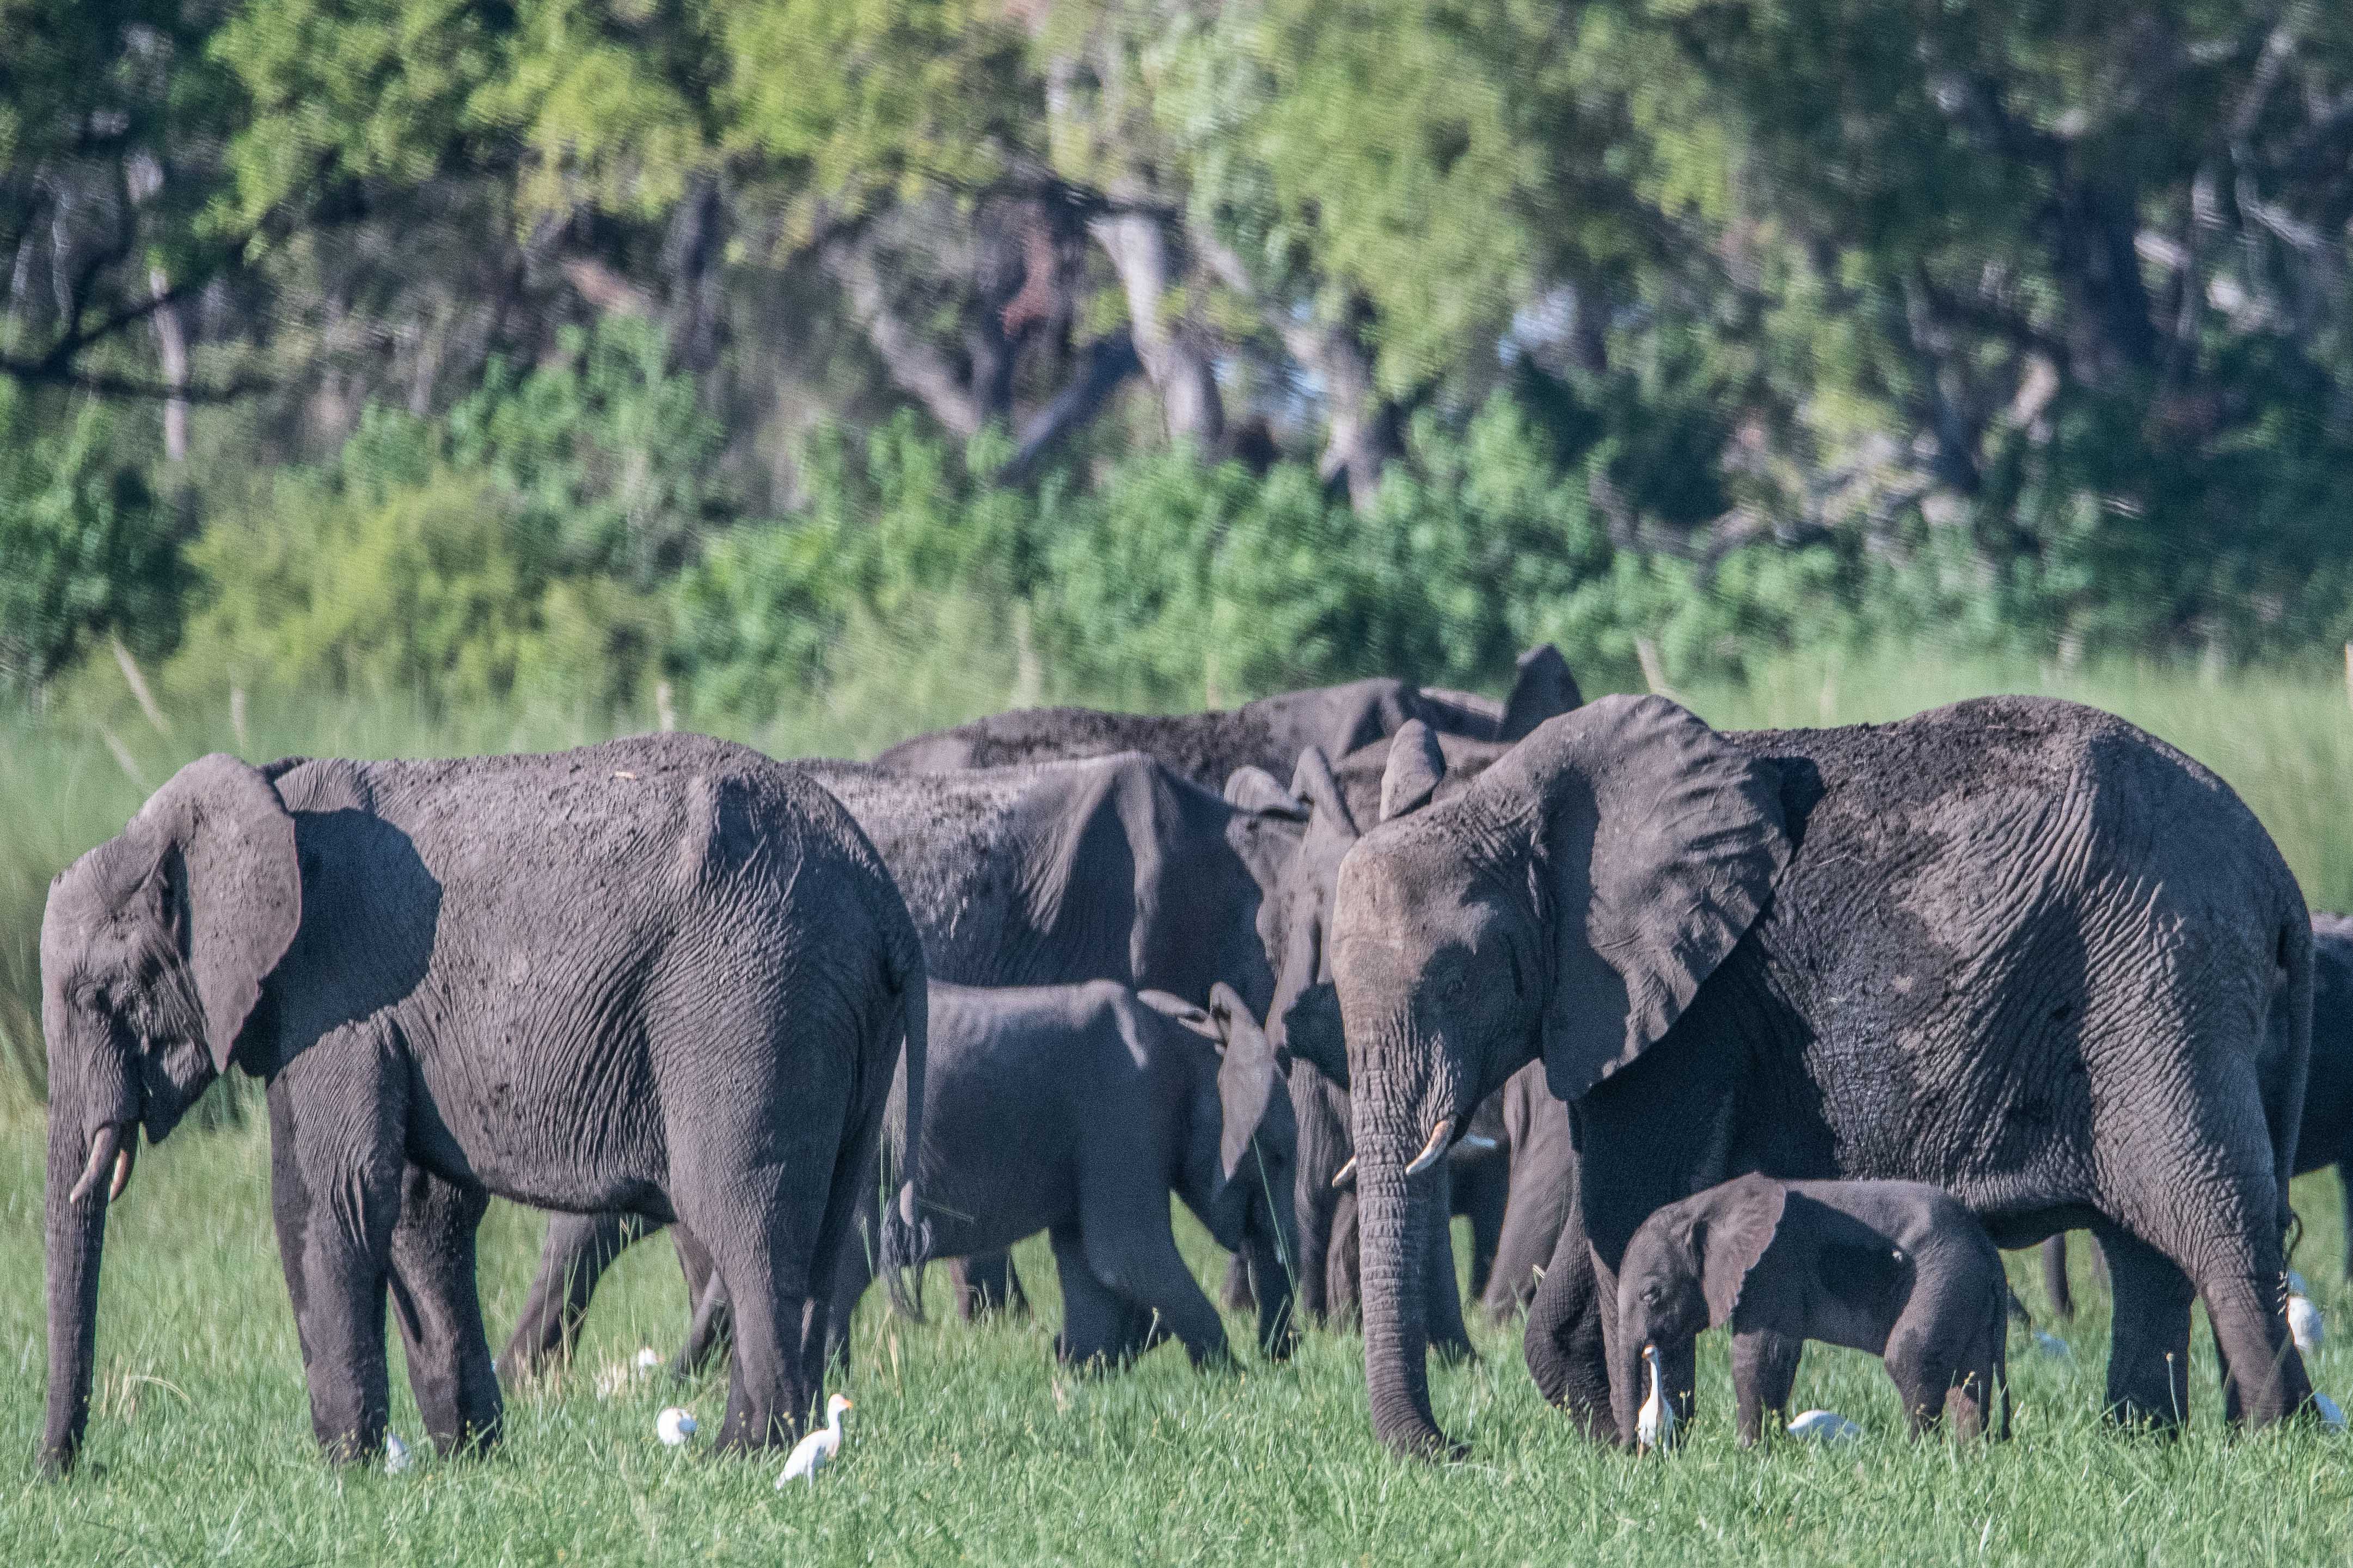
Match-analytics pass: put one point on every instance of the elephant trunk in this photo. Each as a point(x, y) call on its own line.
point(1391, 1208)
point(81, 1181)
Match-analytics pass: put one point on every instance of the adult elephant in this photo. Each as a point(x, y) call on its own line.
point(2324, 1134)
point(1219, 750)
point(1363, 788)
point(2013, 947)
point(1102, 869)
point(665, 973)
point(1269, 733)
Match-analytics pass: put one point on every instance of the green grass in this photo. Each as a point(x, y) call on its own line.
point(968, 1445)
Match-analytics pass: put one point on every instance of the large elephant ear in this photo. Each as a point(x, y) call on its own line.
point(1661, 844)
point(238, 890)
point(1416, 768)
point(1733, 1237)
point(1313, 780)
point(1246, 1078)
point(1255, 789)
point(1546, 688)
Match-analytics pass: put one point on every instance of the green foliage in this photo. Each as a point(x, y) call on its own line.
point(90, 551)
point(509, 547)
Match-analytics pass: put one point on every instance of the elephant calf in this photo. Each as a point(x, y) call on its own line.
point(1898, 1269)
point(1077, 1110)
point(665, 976)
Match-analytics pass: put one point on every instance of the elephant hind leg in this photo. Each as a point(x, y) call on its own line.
point(579, 1249)
point(2054, 1278)
point(439, 1309)
point(1764, 1371)
point(2148, 1358)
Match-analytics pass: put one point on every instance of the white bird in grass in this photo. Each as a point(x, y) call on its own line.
point(674, 1427)
point(395, 1453)
point(2304, 1324)
point(1655, 1427)
point(817, 1451)
point(1824, 1426)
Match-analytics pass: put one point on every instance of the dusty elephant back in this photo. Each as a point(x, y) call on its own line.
point(1095, 869)
point(1206, 748)
point(1986, 878)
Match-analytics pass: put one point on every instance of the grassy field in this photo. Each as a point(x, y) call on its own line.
point(967, 1445)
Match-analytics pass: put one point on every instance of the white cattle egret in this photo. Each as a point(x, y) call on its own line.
point(1824, 1426)
point(395, 1453)
point(2051, 1345)
point(817, 1451)
point(648, 1359)
point(2304, 1324)
point(674, 1425)
point(2331, 1416)
point(1655, 1427)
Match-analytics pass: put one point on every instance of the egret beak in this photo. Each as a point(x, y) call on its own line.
point(1435, 1150)
point(105, 1150)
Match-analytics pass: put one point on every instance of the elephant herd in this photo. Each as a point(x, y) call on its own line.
point(1328, 968)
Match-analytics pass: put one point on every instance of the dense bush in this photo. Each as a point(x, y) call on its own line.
point(558, 533)
point(85, 547)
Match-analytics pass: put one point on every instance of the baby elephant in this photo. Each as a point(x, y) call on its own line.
point(1077, 1110)
point(1897, 1268)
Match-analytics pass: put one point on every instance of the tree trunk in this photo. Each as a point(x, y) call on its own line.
point(172, 357)
point(1176, 353)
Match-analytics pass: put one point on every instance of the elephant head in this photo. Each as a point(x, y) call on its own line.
point(154, 948)
point(1569, 902)
point(1684, 1268)
point(1243, 1179)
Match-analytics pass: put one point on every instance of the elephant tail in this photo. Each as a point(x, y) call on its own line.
point(905, 1238)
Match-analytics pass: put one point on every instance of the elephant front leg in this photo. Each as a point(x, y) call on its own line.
point(1764, 1371)
point(439, 1310)
point(335, 1206)
point(579, 1249)
point(1565, 1344)
point(1095, 1329)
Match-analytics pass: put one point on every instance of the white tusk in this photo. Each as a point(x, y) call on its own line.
point(127, 1157)
point(1344, 1174)
point(102, 1152)
point(1435, 1150)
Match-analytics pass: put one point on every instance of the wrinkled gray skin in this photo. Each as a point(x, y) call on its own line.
point(1304, 1023)
point(2325, 1136)
point(1077, 1109)
point(1269, 733)
point(1102, 869)
point(1542, 1189)
point(1214, 749)
point(650, 975)
point(1896, 1269)
point(2014, 948)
